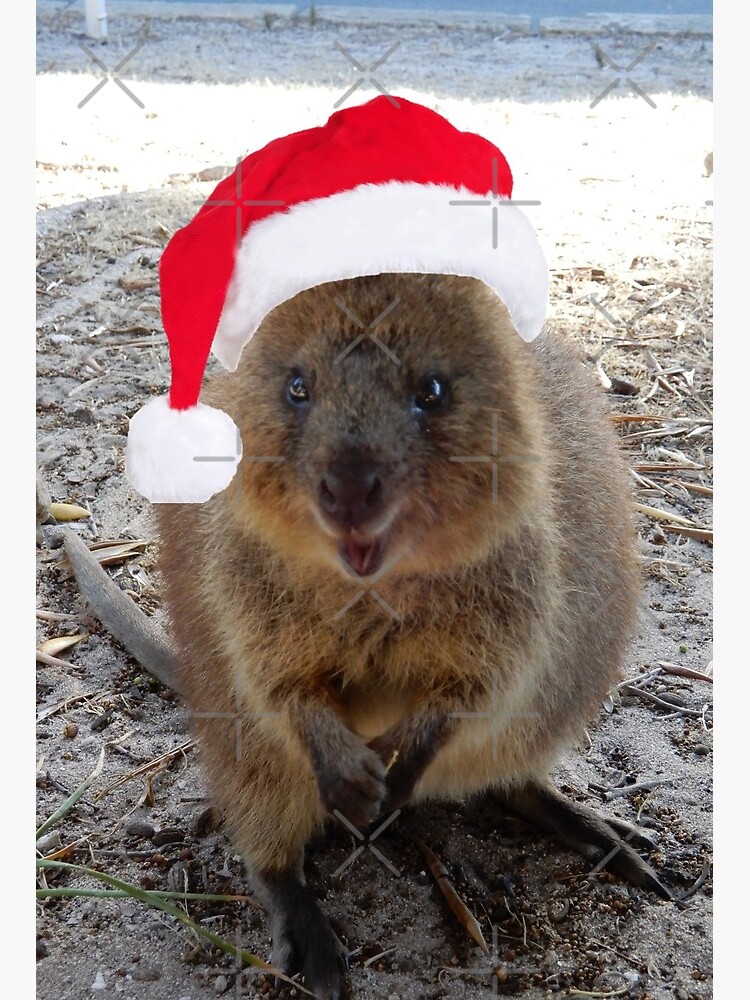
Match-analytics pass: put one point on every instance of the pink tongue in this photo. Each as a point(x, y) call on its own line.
point(360, 556)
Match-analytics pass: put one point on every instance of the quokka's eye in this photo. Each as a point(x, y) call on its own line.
point(297, 392)
point(433, 394)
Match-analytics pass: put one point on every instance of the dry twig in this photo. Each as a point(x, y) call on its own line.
point(465, 917)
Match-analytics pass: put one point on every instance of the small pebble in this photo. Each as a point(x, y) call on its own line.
point(99, 983)
point(558, 910)
point(49, 842)
point(207, 821)
point(55, 536)
point(139, 828)
point(145, 974)
point(220, 984)
point(102, 721)
point(169, 835)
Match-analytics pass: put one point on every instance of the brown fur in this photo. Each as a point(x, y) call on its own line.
point(519, 604)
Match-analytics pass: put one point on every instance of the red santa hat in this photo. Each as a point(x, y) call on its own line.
point(371, 191)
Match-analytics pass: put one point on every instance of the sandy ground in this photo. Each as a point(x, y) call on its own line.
point(623, 217)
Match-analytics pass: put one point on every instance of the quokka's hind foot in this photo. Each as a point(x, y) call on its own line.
point(603, 841)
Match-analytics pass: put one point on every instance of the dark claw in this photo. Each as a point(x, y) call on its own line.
point(595, 837)
point(638, 836)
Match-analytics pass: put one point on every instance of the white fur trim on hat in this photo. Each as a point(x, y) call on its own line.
point(181, 456)
point(375, 228)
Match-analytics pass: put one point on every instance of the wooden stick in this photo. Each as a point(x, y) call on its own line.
point(466, 918)
point(52, 661)
point(700, 534)
point(678, 671)
point(63, 705)
point(663, 467)
point(695, 886)
point(55, 616)
point(636, 418)
point(606, 993)
point(641, 786)
point(657, 514)
point(706, 491)
point(676, 709)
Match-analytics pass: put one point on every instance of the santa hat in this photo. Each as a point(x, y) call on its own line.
point(376, 189)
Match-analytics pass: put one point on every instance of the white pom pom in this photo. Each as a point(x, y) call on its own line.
point(181, 456)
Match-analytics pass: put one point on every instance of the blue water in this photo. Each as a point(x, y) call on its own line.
point(534, 8)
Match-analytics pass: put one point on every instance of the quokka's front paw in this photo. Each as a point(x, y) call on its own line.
point(354, 784)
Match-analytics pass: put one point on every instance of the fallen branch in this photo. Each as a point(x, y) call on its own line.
point(647, 696)
point(640, 786)
point(699, 534)
point(678, 671)
point(657, 514)
point(52, 661)
point(465, 917)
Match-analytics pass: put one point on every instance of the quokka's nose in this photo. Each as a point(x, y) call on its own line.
point(351, 492)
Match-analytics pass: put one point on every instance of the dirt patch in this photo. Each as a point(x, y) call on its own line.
point(627, 230)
